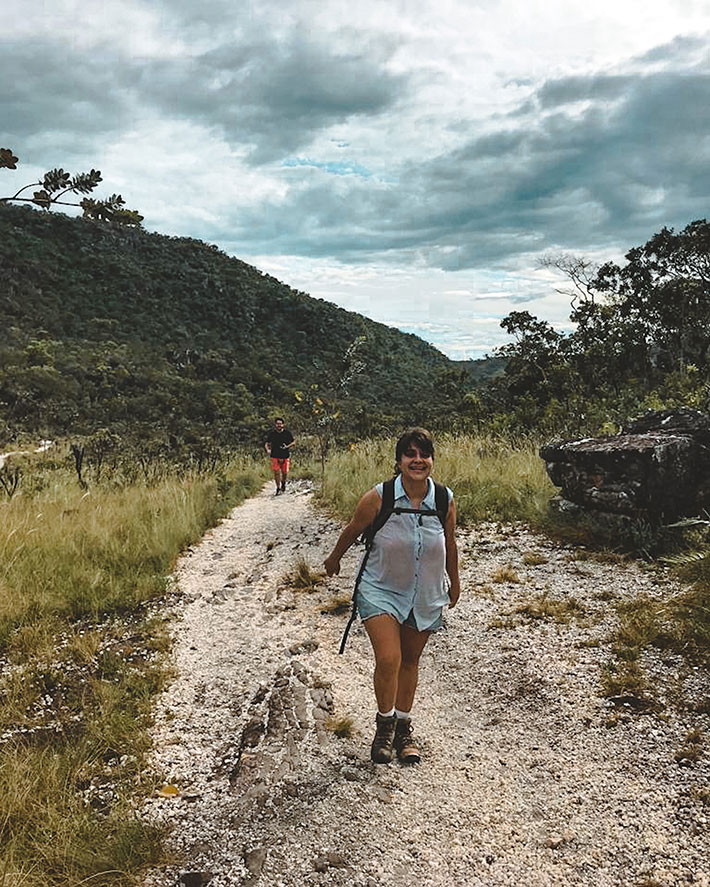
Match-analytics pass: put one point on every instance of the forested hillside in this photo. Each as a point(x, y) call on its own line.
point(112, 327)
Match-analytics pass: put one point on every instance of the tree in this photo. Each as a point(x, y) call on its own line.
point(322, 403)
point(57, 183)
point(536, 351)
point(580, 271)
point(664, 292)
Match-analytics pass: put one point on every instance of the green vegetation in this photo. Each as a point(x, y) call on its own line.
point(57, 184)
point(680, 623)
point(83, 659)
point(640, 340)
point(171, 345)
point(494, 478)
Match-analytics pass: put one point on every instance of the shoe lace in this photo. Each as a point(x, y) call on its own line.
point(404, 735)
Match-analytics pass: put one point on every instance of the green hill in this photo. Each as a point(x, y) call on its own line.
point(146, 334)
point(483, 369)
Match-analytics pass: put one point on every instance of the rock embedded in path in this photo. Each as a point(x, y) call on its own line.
point(195, 879)
point(254, 861)
point(330, 860)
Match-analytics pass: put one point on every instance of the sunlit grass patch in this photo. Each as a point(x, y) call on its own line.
point(342, 727)
point(83, 661)
point(544, 607)
point(534, 558)
point(693, 747)
point(506, 573)
point(304, 577)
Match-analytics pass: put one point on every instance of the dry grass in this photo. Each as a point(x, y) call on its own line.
point(606, 594)
point(601, 556)
point(76, 706)
point(342, 727)
point(543, 607)
point(492, 478)
point(625, 680)
point(701, 793)
point(693, 747)
point(506, 573)
point(304, 577)
point(534, 558)
point(539, 609)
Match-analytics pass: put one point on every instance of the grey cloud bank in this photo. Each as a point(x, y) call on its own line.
point(336, 152)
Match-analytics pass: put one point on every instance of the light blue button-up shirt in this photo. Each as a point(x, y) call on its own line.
point(406, 568)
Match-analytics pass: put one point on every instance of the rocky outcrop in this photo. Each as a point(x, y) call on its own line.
point(657, 468)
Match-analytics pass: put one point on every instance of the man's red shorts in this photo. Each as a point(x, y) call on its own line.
point(280, 465)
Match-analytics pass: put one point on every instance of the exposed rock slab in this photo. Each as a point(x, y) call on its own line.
point(657, 468)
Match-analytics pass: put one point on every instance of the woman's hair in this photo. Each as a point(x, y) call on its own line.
point(418, 437)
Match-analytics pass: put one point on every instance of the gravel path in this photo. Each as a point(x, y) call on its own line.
point(528, 776)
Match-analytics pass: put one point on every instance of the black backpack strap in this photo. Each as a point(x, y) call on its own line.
point(383, 515)
point(441, 500)
point(386, 506)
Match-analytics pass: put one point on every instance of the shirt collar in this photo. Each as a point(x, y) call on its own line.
point(399, 492)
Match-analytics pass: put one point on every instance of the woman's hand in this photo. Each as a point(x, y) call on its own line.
point(454, 595)
point(365, 512)
point(332, 565)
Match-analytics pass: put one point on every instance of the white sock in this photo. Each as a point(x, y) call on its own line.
point(402, 714)
point(386, 714)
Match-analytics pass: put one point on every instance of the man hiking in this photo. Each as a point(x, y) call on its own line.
point(279, 441)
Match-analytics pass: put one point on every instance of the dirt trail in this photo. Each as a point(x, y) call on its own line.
point(528, 776)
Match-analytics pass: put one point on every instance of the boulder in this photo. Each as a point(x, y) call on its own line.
point(657, 468)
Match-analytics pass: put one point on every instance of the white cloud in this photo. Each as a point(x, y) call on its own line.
point(410, 161)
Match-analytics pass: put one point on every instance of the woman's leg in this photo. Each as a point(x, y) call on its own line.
point(412, 643)
point(384, 633)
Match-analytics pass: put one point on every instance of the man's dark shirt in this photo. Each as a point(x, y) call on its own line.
point(276, 440)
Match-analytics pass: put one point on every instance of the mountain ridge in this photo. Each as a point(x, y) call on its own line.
point(107, 326)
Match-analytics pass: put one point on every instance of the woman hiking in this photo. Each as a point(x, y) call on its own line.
point(402, 592)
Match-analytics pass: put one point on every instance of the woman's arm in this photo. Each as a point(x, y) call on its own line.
point(365, 512)
point(452, 555)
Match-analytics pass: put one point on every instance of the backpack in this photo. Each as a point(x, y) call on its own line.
point(387, 509)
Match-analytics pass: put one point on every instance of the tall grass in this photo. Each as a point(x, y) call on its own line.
point(492, 478)
point(82, 663)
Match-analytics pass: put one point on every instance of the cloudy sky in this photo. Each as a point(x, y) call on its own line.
point(412, 161)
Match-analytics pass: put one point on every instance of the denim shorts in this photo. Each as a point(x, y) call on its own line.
point(367, 610)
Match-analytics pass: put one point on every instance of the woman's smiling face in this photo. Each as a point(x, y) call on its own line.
point(415, 464)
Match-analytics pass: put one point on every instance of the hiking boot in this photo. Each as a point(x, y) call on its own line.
point(404, 743)
point(283, 487)
point(381, 751)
